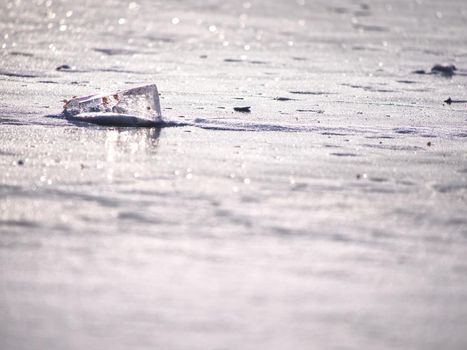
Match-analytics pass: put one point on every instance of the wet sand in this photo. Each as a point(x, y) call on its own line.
point(333, 215)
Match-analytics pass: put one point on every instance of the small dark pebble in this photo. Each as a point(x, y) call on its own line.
point(63, 67)
point(242, 109)
point(428, 143)
point(447, 70)
point(358, 176)
point(20, 162)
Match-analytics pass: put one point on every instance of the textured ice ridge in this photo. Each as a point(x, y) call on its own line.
point(138, 106)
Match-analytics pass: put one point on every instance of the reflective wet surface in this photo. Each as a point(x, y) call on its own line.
point(333, 215)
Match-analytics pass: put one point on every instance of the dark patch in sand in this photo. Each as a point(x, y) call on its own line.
point(310, 93)
point(116, 52)
point(342, 154)
point(242, 109)
point(159, 38)
point(379, 137)
point(378, 179)
point(64, 67)
point(137, 217)
point(405, 131)
point(19, 223)
point(284, 99)
point(370, 28)
point(450, 188)
point(393, 147)
point(18, 53)
point(116, 70)
point(407, 81)
point(419, 71)
point(319, 111)
point(124, 121)
point(369, 88)
point(18, 75)
point(362, 13)
point(366, 48)
point(339, 10)
point(68, 68)
point(332, 133)
point(10, 121)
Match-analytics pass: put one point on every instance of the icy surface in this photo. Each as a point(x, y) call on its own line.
point(332, 216)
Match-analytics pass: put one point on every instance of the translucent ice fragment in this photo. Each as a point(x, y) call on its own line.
point(138, 106)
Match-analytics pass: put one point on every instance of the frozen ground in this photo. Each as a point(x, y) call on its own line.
point(333, 220)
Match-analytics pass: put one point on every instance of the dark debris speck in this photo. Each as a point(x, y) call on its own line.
point(243, 109)
point(447, 70)
point(64, 67)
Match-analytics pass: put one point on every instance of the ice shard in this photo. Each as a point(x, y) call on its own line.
point(137, 106)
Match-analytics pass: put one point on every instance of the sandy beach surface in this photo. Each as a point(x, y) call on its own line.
point(333, 216)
